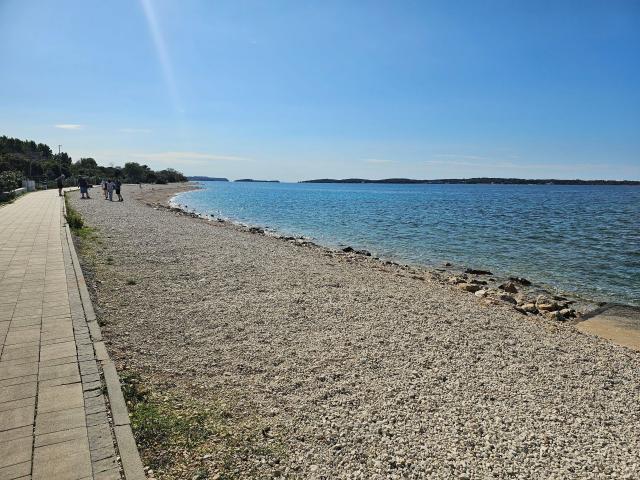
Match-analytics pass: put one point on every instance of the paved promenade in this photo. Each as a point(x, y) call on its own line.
point(54, 419)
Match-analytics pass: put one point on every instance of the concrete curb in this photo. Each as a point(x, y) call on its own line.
point(129, 455)
point(119, 411)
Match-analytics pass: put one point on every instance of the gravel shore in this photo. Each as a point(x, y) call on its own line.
point(357, 368)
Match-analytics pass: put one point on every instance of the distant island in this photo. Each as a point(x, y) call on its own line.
point(482, 180)
point(206, 179)
point(252, 180)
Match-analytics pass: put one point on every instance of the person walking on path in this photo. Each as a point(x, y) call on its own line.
point(60, 184)
point(103, 184)
point(110, 187)
point(84, 187)
point(118, 186)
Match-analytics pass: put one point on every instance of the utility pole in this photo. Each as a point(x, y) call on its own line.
point(59, 160)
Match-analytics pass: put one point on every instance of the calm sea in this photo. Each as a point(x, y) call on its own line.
point(577, 239)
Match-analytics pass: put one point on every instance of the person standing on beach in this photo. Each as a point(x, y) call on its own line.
point(118, 186)
point(84, 187)
point(103, 184)
point(60, 184)
point(110, 187)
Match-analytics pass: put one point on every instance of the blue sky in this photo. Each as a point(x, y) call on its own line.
point(297, 90)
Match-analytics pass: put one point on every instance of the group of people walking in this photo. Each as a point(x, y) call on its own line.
point(108, 187)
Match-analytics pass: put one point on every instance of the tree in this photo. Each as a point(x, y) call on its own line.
point(36, 160)
point(170, 176)
point(133, 172)
point(87, 164)
point(63, 158)
point(44, 150)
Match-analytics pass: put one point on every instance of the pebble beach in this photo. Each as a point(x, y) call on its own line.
point(354, 368)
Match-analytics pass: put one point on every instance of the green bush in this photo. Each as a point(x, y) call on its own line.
point(74, 220)
point(10, 181)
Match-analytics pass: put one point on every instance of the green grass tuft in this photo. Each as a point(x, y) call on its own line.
point(76, 223)
point(161, 429)
point(74, 220)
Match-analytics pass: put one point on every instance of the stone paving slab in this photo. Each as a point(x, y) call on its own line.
point(76, 464)
point(54, 420)
point(16, 417)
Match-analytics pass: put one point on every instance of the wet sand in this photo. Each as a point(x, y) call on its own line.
point(617, 323)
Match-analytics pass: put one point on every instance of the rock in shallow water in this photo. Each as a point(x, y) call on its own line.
point(520, 280)
point(473, 271)
point(509, 287)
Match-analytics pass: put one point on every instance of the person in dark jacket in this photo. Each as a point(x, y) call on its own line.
point(60, 184)
point(84, 187)
point(118, 185)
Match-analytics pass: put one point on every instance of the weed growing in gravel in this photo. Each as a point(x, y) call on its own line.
point(72, 216)
point(76, 223)
point(74, 220)
point(163, 428)
point(200, 474)
point(131, 281)
point(181, 437)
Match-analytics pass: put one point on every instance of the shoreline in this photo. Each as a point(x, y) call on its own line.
point(323, 363)
point(524, 291)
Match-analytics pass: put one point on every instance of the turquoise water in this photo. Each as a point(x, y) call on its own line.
point(577, 239)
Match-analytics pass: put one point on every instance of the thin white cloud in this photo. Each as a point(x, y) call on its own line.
point(455, 155)
point(186, 158)
point(69, 126)
point(377, 161)
point(135, 130)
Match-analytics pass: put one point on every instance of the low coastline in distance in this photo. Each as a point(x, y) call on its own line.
point(201, 178)
point(480, 181)
point(448, 181)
